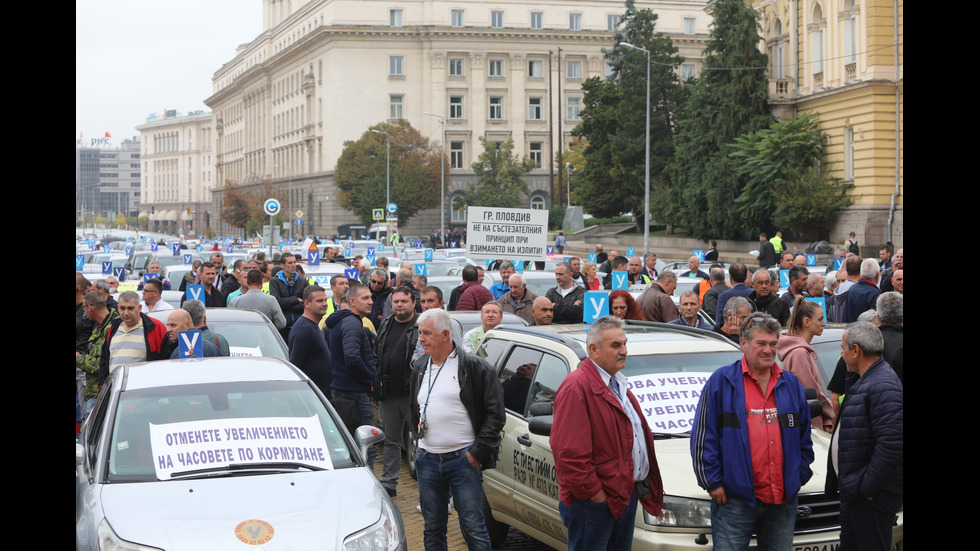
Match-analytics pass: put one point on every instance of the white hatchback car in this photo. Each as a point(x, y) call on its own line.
point(225, 453)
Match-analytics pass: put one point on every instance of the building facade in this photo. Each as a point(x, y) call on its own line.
point(107, 180)
point(323, 71)
point(178, 172)
point(844, 60)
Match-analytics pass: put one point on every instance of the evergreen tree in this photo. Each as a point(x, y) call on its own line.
point(728, 99)
point(615, 114)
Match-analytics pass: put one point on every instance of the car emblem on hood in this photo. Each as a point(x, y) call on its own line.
point(803, 511)
point(254, 532)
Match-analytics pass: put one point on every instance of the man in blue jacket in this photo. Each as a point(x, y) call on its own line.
point(354, 369)
point(751, 444)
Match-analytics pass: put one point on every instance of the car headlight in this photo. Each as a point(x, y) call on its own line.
point(109, 541)
point(682, 512)
point(384, 535)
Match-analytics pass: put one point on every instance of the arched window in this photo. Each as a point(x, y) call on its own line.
point(538, 201)
point(816, 43)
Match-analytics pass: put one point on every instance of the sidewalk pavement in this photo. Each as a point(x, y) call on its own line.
point(408, 498)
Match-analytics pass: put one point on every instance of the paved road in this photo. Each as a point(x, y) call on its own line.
point(408, 498)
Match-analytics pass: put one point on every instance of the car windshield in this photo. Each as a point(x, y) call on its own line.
point(668, 386)
point(167, 432)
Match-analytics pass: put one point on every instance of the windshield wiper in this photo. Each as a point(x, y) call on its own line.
point(245, 468)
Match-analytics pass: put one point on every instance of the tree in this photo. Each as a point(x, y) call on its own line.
point(786, 185)
point(238, 206)
point(614, 117)
point(727, 100)
point(361, 174)
point(499, 176)
point(574, 158)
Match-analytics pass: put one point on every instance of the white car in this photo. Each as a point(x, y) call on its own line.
point(225, 453)
point(667, 367)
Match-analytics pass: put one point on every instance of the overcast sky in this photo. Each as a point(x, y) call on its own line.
point(136, 57)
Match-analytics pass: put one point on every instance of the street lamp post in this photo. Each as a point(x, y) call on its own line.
point(646, 191)
point(387, 176)
point(289, 199)
point(442, 185)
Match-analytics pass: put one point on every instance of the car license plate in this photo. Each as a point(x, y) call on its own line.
point(828, 546)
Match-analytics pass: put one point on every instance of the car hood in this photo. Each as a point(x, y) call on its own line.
point(676, 469)
point(309, 510)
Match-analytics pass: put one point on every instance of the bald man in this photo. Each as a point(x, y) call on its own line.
point(543, 311)
point(179, 320)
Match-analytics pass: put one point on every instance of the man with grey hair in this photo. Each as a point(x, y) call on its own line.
point(199, 320)
point(518, 300)
point(751, 415)
point(891, 323)
point(866, 460)
point(598, 421)
point(656, 303)
point(863, 294)
point(737, 309)
point(449, 385)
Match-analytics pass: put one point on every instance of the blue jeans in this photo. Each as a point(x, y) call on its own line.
point(438, 473)
point(592, 527)
point(733, 523)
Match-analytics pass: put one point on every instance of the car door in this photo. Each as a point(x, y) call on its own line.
point(530, 375)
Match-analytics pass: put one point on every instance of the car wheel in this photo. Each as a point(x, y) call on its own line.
point(496, 530)
point(411, 447)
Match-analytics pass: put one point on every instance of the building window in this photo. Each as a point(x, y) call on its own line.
point(537, 20)
point(687, 71)
point(534, 109)
point(612, 22)
point(574, 69)
point(497, 19)
point(395, 18)
point(455, 67)
point(395, 65)
point(816, 39)
point(457, 17)
point(850, 35)
point(849, 153)
point(538, 203)
point(455, 107)
point(574, 106)
point(496, 108)
point(457, 213)
point(396, 110)
point(456, 154)
point(575, 21)
point(496, 67)
point(536, 149)
point(534, 68)
point(688, 25)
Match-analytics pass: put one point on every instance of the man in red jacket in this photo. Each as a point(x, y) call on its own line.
point(604, 457)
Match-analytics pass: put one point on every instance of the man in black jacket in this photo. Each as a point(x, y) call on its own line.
point(764, 300)
point(287, 287)
point(449, 385)
point(395, 349)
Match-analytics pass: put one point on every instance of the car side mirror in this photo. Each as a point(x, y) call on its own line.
point(367, 436)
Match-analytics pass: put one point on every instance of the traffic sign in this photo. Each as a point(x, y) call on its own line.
point(272, 207)
point(377, 214)
point(392, 208)
point(299, 214)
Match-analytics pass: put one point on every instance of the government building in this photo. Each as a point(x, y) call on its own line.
point(844, 59)
point(323, 71)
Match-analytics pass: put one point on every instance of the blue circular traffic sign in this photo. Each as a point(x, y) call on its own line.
point(272, 207)
point(392, 208)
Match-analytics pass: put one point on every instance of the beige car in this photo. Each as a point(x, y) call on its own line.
point(667, 367)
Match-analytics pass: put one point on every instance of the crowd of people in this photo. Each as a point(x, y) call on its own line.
point(387, 337)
